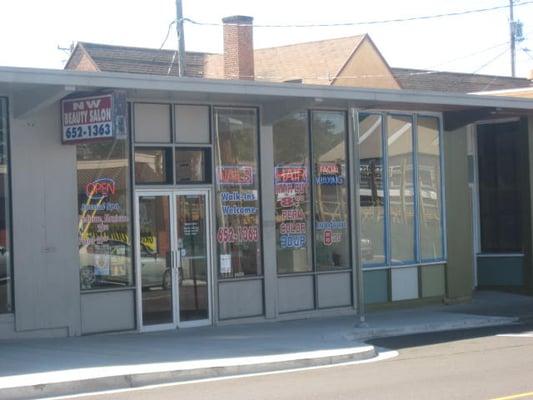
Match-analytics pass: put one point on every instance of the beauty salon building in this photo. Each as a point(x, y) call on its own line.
point(132, 202)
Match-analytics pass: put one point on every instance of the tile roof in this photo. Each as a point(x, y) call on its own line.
point(140, 60)
point(419, 79)
point(278, 64)
point(311, 62)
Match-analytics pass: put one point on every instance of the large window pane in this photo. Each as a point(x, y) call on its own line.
point(502, 165)
point(6, 282)
point(332, 240)
point(237, 192)
point(155, 260)
point(371, 190)
point(104, 214)
point(401, 189)
point(293, 197)
point(429, 194)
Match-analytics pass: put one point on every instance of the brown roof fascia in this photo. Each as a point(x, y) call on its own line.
point(80, 47)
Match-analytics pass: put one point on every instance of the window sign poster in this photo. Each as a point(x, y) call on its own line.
point(225, 263)
point(238, 205)
point(291, 186)
point(93, 117)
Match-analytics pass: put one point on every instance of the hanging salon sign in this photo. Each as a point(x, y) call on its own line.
point(93, 117)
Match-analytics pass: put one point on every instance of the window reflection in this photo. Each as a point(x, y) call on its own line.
point(292, 194)
point(191, 166)
point(237, 192)
point(6, 281)
point(331, 190)
point(152, 165)
point(372, 212)
point(429, 193)
point(401, 188)
point(104, 214)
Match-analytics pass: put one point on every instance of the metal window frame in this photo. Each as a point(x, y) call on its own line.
point(384, 184)
point(8, 207)
point(415, 194)
point(444, 255)
point(418, 260)
point(213, 127)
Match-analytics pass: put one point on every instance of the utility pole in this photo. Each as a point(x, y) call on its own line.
point(513, 38)
point(181, 38)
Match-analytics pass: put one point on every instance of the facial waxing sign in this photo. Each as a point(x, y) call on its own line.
point(93, 118)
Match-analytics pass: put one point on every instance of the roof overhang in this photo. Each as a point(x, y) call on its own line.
point(31, 89)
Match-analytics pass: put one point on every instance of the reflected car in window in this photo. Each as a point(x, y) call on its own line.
point(107, 265)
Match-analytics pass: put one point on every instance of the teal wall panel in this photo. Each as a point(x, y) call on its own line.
point(433, 281)
point(500, 271)
point(376, 286)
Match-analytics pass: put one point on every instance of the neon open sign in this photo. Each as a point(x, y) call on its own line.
point(100, 188)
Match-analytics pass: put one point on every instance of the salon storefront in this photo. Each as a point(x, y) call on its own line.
point(192, 203)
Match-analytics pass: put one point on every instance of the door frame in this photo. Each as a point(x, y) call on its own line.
point(172, 194)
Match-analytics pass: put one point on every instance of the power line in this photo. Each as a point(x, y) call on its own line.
point(490, 61)
point(469, 55)
point(167, 35)
point(373, 22)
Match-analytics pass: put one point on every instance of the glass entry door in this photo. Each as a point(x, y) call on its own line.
point(173, 258)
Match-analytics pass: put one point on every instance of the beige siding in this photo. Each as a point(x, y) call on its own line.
point(367, 68)
point(459, 274)
point(81, 62)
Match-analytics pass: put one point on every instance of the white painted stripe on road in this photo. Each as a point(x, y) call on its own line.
point(526, 334)
point(382, 356)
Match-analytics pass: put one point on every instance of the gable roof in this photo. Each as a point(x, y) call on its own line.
point(318, 62)
point(275, 64)
point(138, 60)
point(306, 61)
point(455, 82)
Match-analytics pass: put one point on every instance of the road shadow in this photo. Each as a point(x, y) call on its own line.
point(426, 339)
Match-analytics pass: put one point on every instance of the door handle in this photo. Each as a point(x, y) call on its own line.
point(176, 259)
point(171, 259)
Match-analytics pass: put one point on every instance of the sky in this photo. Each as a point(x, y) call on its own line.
point(32, 30)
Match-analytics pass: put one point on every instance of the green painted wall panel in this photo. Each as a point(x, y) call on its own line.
point(500, 271)
point(433, 281)
point(376, 286)
point(458, 215)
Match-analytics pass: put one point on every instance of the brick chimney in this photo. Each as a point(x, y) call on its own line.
point(238, 47)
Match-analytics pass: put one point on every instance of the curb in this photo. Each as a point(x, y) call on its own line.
point(367, 333)
point(219, 368)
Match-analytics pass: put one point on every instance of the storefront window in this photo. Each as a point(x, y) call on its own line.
point(153, 165)
point(332, 239)
point(371, 192)
point(429, 188)
point(6, 281)
point(502, 168)
point(237, 192)
point(401, 188)
point(192, 166)
point(292, 194)
point(104, 214)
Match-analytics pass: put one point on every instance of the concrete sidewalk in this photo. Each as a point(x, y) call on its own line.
point(50, 367)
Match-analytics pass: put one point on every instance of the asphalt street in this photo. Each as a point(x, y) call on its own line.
point(489, 363)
